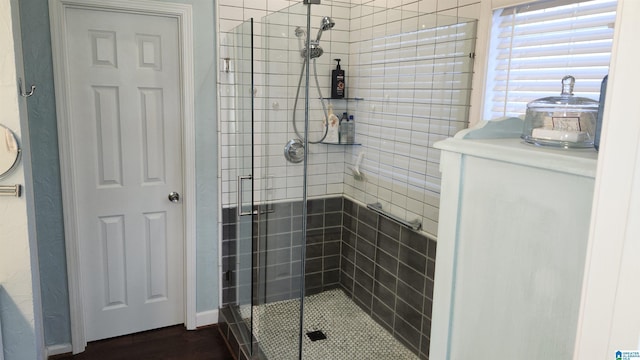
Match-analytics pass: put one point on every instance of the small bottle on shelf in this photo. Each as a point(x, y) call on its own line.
point(351, 130)
point(344, 130)
point(332, 127)
point(337, 82)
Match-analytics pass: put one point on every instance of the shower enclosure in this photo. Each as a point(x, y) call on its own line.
point(309, 270)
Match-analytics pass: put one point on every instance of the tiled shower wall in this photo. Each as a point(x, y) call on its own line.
point(414, 73)
point(385, 268)
point(388, 270)
point(277, 260)
point(413, 95)
point(277, 69)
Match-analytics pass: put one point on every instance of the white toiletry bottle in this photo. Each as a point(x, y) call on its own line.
point(344, 131)
point(351, 130)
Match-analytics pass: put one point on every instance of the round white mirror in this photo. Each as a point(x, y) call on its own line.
point(9, 151)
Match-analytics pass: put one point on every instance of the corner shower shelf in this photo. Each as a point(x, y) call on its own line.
point(343, 144)
point(343, 99)
point(346, 98)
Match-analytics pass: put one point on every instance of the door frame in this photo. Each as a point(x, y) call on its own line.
point(183, 14)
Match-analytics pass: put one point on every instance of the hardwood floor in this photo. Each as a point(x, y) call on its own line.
point(173, 343)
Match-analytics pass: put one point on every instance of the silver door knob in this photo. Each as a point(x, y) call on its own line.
point(174, 197)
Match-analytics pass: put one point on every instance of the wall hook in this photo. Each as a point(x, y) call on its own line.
point(24, 93)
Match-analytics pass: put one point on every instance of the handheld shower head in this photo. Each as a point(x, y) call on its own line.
point(313, 47)
point(325, 24)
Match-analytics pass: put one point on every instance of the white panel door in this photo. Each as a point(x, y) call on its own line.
point(124, 86)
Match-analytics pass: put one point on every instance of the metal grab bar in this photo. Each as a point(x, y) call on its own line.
point(413, 225)
point(11, 190)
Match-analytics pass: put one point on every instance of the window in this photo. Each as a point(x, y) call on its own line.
point(533, 46)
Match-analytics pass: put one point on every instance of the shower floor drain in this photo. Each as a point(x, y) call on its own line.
point(316, 335)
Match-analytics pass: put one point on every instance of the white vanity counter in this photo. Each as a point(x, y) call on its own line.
point(514, 225)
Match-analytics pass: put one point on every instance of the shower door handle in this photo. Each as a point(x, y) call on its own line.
point(241, 211)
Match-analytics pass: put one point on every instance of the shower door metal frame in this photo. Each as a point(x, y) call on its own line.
point(245, 212)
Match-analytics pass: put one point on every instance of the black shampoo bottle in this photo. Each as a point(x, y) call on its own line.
point(337, 82)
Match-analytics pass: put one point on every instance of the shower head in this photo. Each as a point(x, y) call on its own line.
point(315, 50)
point(325, 24)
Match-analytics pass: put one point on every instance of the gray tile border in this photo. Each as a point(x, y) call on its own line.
point(389, 244)
point(413, 259)
point(386, 269)
point(333, 204)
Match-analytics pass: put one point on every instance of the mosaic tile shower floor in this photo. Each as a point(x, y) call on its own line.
point(350, 332)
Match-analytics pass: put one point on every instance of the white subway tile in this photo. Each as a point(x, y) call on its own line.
point(335, 189)
point(430, 226)
point(231, 12)
point(430, 212)
point(402, 93)
point(411, 6)
point(414, 207)
point(447, 4)
point(428, 6)
point(277, 5)
point(462, 3)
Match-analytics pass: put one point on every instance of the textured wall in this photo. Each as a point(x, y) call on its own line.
point(17, 295)
point(36, 41)
point(47, 189)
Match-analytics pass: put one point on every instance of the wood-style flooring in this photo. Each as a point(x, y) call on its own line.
point(175, 343)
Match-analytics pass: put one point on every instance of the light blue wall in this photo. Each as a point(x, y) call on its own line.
point(36, 42)
point(34, 15)
point(207, 278)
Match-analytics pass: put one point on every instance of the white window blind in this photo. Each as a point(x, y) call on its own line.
point(534, 46)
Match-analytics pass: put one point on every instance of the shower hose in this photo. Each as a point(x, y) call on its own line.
point(324, 108)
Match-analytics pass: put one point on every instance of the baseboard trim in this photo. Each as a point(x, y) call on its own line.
point(202, 319)
point(205, 318)
point(58, 349)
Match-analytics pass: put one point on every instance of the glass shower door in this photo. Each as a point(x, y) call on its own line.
point(267, 270)
point(278, 193)
point(239, 71)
